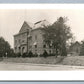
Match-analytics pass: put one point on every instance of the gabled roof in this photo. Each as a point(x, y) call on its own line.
point(24, 27)
point(41, 24)
point(30, 26)
point(75, 44)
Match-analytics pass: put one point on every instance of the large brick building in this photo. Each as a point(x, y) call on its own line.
point(30, 38)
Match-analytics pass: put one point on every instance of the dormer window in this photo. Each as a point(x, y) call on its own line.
point(35, 37)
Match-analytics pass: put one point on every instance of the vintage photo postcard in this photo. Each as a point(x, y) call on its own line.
point(41, 37)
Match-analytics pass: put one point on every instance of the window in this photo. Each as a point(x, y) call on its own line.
point(54, 46)
point(23, 50)
point(30, 46)
point(19, 49)
point(44, 46)
point(35, 37)
point(35, 46)
point(23, 35)
point(15, 49)
point(22, 41)
point(15, 41)
point(35, 51)
point(50, 46)
point(50, 51)
point(77, 50)
point(19, 40)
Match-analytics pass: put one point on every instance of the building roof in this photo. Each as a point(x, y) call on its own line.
point(30, 26)
point(25, 27)
point(76, 43)
point(41, 24)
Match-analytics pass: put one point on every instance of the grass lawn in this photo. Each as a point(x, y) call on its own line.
point(69, 60)
point(73, 60)
point(37, 60)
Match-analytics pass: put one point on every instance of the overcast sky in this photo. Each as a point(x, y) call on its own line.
point(11, 20)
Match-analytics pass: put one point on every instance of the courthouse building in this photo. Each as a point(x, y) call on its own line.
point(30, 38)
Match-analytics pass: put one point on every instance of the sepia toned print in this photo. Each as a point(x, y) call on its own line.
point(41, 39)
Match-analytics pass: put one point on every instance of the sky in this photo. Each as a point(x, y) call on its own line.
point(41, 82)
point(11, 20)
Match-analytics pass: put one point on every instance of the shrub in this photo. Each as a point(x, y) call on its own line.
point(45, 54)
point(24, 55)
point(30, 54)
point(35, 55)
point(51, 54)
point(41, 55)
point(18, 55)
point(14, 55)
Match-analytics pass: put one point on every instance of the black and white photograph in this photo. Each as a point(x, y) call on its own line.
point(42, 39)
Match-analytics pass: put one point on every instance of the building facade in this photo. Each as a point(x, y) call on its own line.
point(75, 49)
point(30, 38)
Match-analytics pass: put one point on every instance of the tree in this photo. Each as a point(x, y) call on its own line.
point(30, 54)
point(5, 49)
point(82, 48)
point(57, 35)
point(45, 54)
